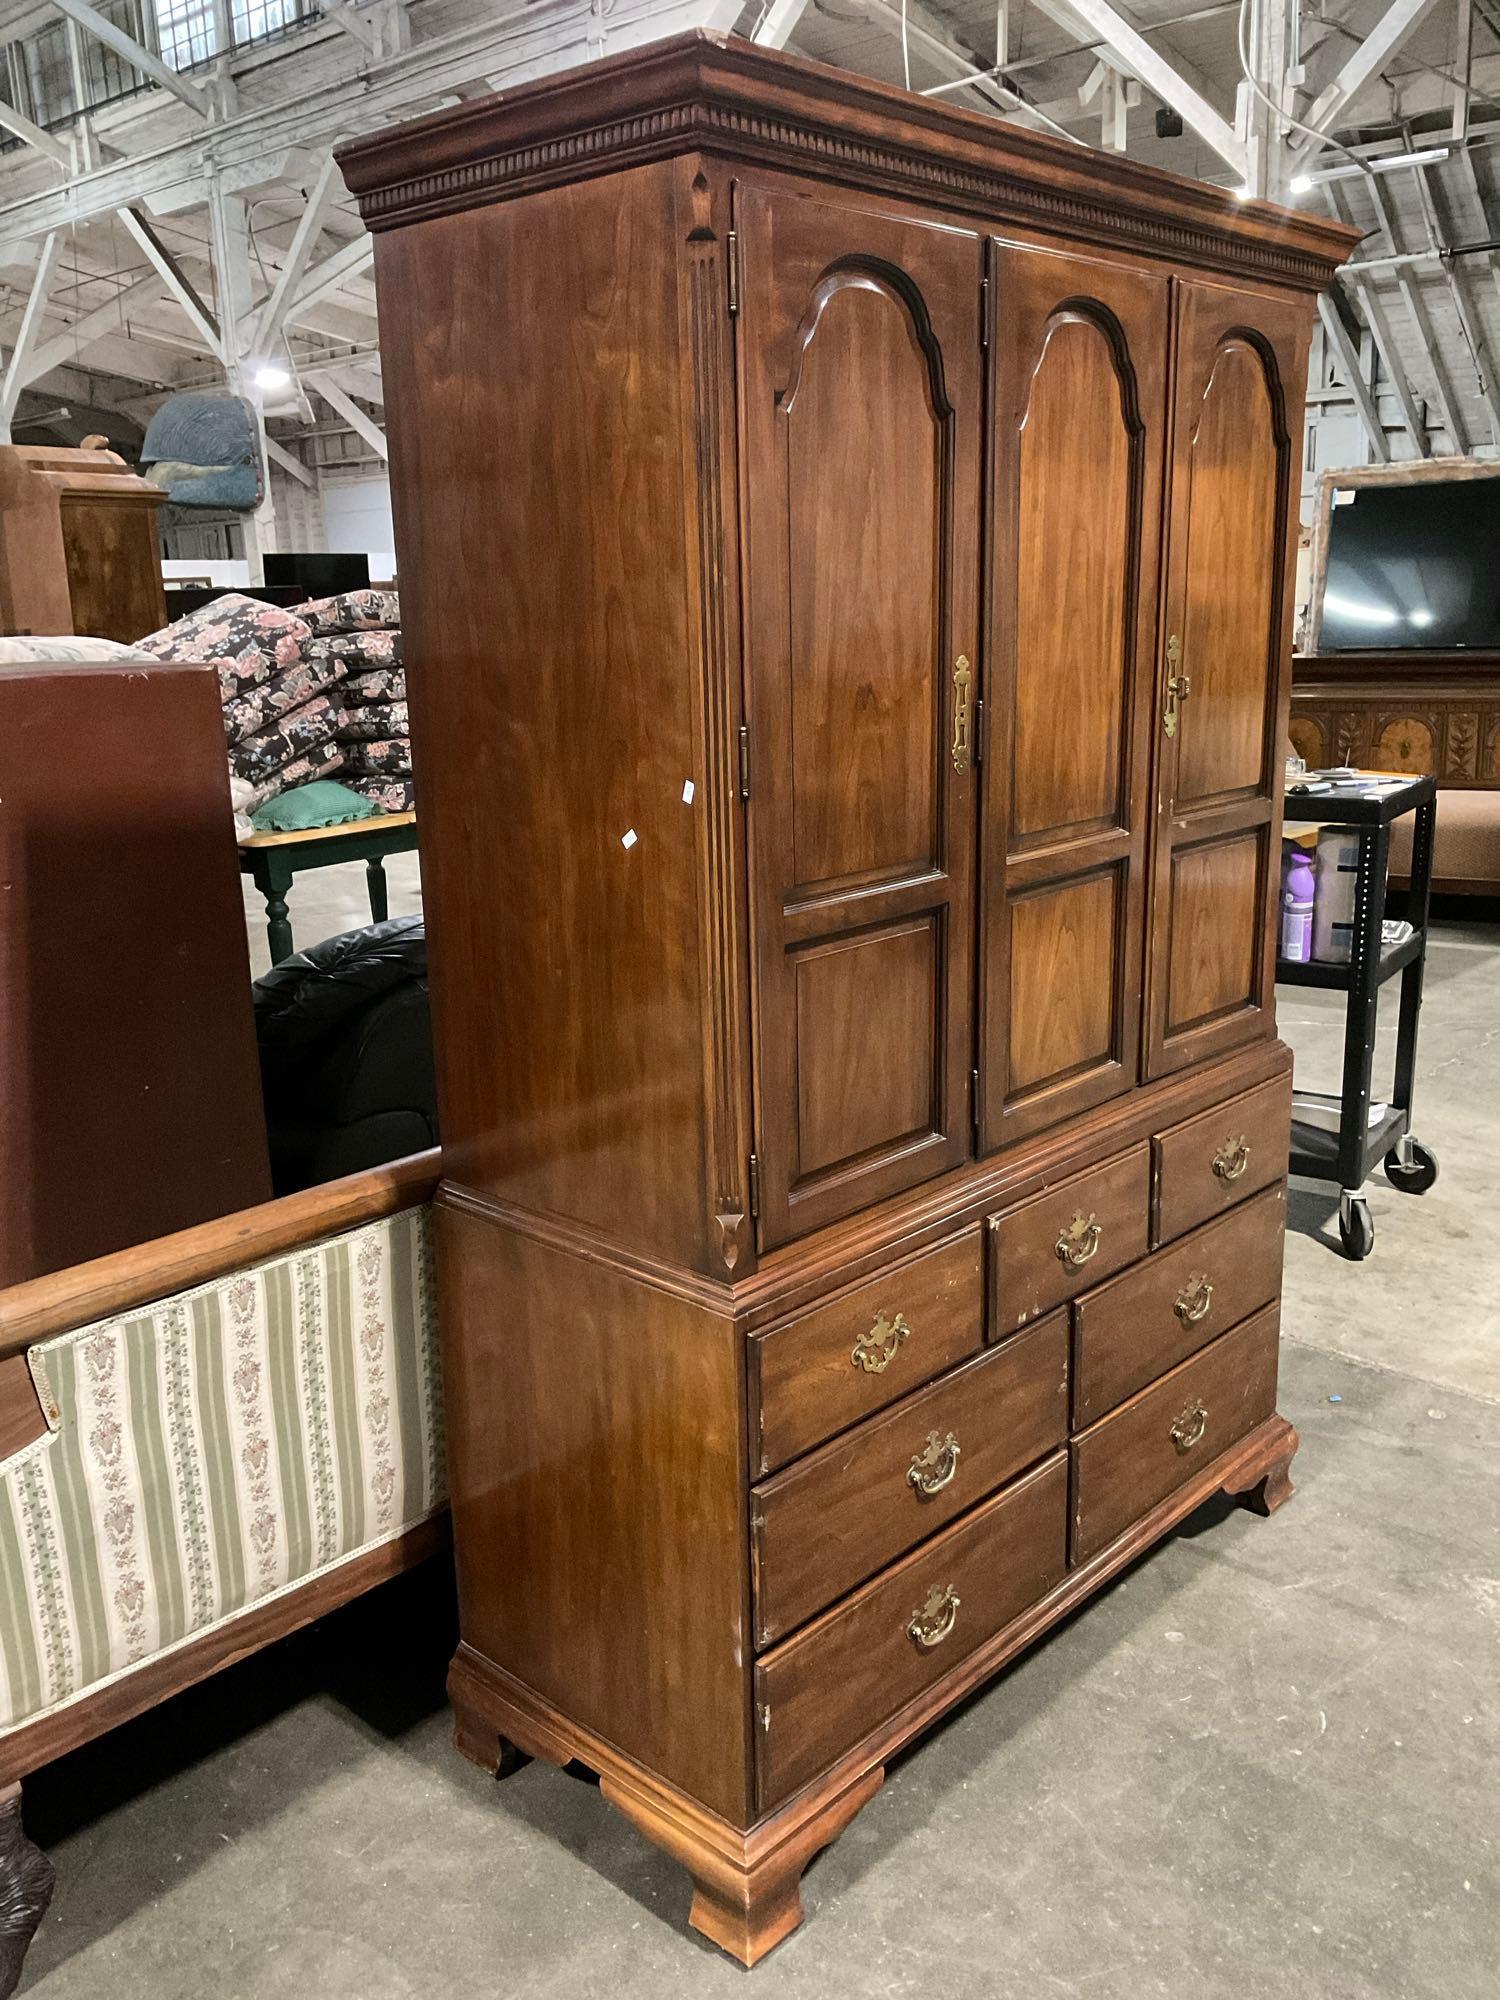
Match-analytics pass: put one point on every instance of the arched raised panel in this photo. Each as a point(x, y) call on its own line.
point(1236, 472)
point(863, 424)
point(1078, 516)
point(860, 405)
point(1227, 635)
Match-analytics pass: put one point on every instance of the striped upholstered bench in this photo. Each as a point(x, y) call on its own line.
point(205, 1442)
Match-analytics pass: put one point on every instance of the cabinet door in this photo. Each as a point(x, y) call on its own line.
point(1079, 356)
point(860, 401)
point(1241, 360)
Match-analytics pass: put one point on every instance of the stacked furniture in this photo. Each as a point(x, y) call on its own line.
point(851, 769)
point(124, 971)
point(79, 549)
point(204, 1444)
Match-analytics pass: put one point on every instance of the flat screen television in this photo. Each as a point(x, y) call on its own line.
point(1413, 568)
point(319, 575)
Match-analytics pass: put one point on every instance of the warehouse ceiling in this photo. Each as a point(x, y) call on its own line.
point(154, 197)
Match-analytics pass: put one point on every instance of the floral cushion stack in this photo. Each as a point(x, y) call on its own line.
point(281, 713)
point(375, 735)
point(319, 692)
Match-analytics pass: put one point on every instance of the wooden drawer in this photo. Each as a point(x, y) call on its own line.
point(1216, 1158)
point(1124, 1465)
point(826, 1369)
point(1047, 1250)
point(827, 1523)
point(1148, 1319)
point(828, 1687)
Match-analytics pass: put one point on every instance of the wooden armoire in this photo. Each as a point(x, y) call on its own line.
point(846, 553)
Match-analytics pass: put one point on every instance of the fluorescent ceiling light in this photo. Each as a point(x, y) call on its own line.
point(1385, 163)
point(269, 376)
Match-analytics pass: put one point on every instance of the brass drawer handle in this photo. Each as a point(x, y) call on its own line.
point(1193, 1301)
point(1189, 1427)
point(1080, 1239)
point(1232, 1158)
point(934, 1465)
point(876, 1350)
point(963, 680)
point(930, 1626)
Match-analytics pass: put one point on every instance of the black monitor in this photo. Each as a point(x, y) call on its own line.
point(319, 575)
point(1413, 567)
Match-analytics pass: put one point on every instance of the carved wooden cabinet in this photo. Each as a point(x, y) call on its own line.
point(847, 544)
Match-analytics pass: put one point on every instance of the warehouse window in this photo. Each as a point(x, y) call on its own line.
point(191, 31)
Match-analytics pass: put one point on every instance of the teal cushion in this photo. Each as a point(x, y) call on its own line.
point(320, 804)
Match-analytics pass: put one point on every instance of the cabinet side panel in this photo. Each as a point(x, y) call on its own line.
point(595, 1427)
point(533, 370)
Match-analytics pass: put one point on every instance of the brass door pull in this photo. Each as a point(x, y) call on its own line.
point(876, 1350)
point(1232, 1158)
point(1080, 1239)
point(930, 1625)
point(1179, 687)
point(1193, 1301)
point(1189, 1427)
point(963, 681)
point(934, 1465)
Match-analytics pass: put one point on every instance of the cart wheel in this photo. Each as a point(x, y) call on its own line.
point(1414, 1175)
point(1356, 1227)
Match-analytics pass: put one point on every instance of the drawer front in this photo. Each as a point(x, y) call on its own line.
point(1047, 1250)
point(827, 1523)
point(1123, 1466)
point(824, 1690)
point(1215, 1159)
point(824, 1370)
point(1133, 1329)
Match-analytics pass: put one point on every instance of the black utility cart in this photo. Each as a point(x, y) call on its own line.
point(1347, 1156)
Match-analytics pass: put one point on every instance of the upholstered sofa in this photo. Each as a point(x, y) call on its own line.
point(205, 1442)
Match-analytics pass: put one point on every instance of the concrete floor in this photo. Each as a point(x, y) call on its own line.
point(1265, 1762)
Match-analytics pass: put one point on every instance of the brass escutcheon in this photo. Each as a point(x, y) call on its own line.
point(1189, 1427)
point(1080, 1239)
point(1232, 1157)
point(930, 1626)
point(963, 680)
point(934, 1465)
point(876, 1350)
point(1193, 1301)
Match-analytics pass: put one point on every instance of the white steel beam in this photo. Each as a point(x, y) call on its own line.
point(352, 21)
point(1362, 62)
point(1469, 324)
point(21, 127)
point(31, 320)
point(775, 27)
point(1125, 42)
point(530, 38)
point(1347, 357)
point(269, 320)
point(174, 278)
point(101, 322)
point(367, 428)
point(329, 276)
point(1447, 402)
point(1381, 333)
point(279, 455)
point(139, 58)
point(925, 32)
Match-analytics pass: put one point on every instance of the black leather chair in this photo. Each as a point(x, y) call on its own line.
point(345, 1038)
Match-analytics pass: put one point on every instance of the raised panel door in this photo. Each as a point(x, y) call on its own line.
point(1079, 366)
point(860, 406)
point(1224, 671)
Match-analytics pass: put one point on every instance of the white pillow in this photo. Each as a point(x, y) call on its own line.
point(31, 651)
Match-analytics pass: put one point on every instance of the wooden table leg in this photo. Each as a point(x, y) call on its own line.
point(380, 907)
point(273, 878)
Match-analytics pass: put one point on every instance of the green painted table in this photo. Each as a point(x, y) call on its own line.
point(272, 860)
